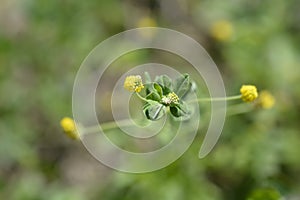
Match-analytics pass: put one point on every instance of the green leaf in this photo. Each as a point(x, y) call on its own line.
point(153, 92)
point(193, 86)
point(181, 110)
point(154, 110)
point(182, 85)
point(147, 77)
point(166, 83)
point(158, 89)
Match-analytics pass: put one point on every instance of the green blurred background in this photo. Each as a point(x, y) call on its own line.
point(42, 44)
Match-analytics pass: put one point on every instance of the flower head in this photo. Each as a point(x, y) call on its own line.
point(222, 30)
point(249, 93)
point(171, 98)
point(133, 83)
point(146, 22)
point(69, 128)
point(266, 100)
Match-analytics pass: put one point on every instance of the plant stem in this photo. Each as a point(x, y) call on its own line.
point(112, 124)
point(216, 99)
point(238, 109)
point(142, 98)
point(107, 126)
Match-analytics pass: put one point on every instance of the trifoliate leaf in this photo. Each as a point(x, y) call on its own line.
point(180, 110)
point(153, 93)
point(154, 110)
point(166, 83)
point(182, 85)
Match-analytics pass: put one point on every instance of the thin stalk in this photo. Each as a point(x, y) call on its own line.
point(238, 109)
point(112, 124)
point(142, 98)
point(215, 99)
point(107, 126)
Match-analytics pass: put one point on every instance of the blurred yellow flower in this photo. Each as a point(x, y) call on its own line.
point(249, 93)
point(133, 83)
point(222, 30)
point(69, 128)
point(266, 100)
point(146, 22)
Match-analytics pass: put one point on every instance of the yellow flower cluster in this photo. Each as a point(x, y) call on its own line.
point(266, 100)
point(248, 93)
point(170, 98)
point(133, 83)
point(69, 128)
point(173, 97)
point(222, 30)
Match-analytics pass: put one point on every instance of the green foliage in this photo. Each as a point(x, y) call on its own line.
point(180, 110)
point(265, 194)
point(153, 110)
point(182, 85)
point(153, 92)
point(160, 95)
point(43, 43)
point(166, 83)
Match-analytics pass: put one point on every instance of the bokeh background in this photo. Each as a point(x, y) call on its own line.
point(43, 43)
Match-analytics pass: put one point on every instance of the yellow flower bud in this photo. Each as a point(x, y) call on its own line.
point(249, 93)
point(266, 100)
point(69, 128)
point(222, 30)
point(133, 83)
point(146, 22)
